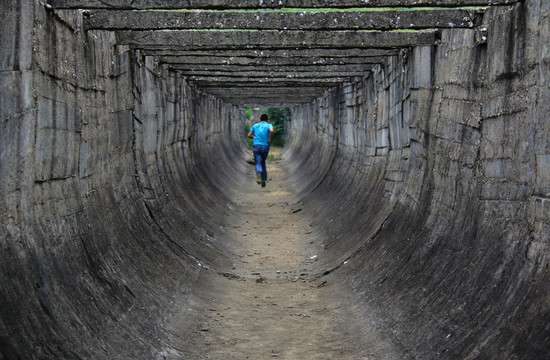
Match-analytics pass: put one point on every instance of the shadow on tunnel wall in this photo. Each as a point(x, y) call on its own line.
point(111, 191)
point(431, 178)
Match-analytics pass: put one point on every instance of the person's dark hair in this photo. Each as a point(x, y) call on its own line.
point(263, 117)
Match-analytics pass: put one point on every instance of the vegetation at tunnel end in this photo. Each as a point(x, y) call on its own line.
point(279, 117)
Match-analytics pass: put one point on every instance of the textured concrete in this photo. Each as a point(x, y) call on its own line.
point(438, 209)
point(429, 176)
point(305, 20)
point(273, 39)
point(261, 4)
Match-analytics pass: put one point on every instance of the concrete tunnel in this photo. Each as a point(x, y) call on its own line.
point(418, 144)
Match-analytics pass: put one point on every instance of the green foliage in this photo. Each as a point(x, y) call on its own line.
point(247, 130)
point(278, 117)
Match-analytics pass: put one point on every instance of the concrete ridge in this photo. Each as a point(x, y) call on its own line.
point(308, 20)
point(256, 4)
point(271, 39)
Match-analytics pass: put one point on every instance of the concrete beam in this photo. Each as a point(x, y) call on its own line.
point(290, 95)
point(268, 101)
point(269, 54)
point(275, 61)
point(271, 91)
point(306, 20)
point(265, 103)
point(305, 92)
point(260, 80)
point(270, 74)
point(270, 39)
point(251, 85)
point(255, 4)
point(247, 69)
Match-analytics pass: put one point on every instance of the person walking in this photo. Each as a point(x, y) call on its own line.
point(261, 134)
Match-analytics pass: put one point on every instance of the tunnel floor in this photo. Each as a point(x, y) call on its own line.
point(274, 302)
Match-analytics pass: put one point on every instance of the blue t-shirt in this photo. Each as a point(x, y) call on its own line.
point(261, 133)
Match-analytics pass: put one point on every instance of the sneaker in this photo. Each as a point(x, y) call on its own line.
point(258, 178)
point(263, 183)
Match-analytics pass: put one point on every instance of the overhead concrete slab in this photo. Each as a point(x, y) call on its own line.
point(299, 20)
point(254, 4)
point(268, 54)
point(269, 39)
point(272, 61)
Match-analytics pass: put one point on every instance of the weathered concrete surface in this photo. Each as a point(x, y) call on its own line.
point(274, 61)
point(272, 39)
point(305, 20)
point(435, 190)
point(271, 70)
point(429, 176)
point(255, 4)
point(266, 55)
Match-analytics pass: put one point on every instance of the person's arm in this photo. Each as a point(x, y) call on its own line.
point(251, 135)
point(270, 134)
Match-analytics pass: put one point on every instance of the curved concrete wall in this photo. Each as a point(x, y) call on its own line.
point(110, 189)
point(430, 177)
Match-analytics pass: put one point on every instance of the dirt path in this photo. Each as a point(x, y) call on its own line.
point(271, 303)
point(270, 306)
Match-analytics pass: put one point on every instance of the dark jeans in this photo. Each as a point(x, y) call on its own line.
point(260, 154)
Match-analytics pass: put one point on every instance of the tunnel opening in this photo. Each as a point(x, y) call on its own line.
point(410, 148)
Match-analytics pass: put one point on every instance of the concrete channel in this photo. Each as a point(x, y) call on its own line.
point(418, 151)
